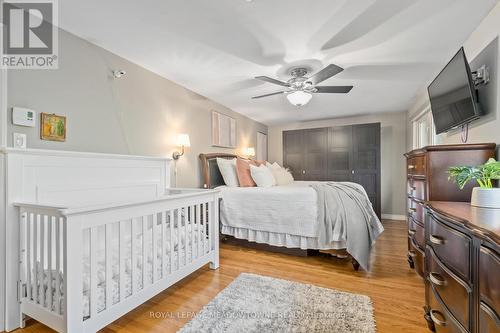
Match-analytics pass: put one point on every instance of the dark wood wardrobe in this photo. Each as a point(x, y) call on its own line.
point(338, 153)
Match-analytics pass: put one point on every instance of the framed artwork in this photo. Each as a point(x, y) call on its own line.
point(52, 127)
point(223, 130)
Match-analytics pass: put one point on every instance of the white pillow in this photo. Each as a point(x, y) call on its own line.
point(262, 176)
point(281, 175)
point(227, 169)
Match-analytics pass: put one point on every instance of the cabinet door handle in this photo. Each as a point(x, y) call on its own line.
point(412, 232)
point(438, 321)
point(436, 279)
point(303, 172)
point(352, 172)
point(411, 167)
point(438, 240)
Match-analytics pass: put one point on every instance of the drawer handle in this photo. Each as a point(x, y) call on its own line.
point(411, 167)
point(436, 279)
point(411, 232)
point(436, 320)
point(412, 254)
point(436, 240)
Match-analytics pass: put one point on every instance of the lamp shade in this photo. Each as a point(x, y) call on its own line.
point(249, 151)
point(299, 98)
point(183, 140)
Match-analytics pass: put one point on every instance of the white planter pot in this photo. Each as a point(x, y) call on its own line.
point(485, 197)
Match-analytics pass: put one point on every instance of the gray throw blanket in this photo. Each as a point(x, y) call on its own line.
point(346, 214)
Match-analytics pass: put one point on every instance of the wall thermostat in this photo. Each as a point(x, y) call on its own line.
point(23, 117)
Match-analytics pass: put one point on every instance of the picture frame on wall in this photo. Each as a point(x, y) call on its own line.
point(52, 127)
point(223, 130)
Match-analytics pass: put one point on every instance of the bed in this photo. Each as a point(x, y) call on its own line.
point(280, 216)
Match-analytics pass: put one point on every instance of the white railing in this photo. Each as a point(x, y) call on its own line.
point(82, 268)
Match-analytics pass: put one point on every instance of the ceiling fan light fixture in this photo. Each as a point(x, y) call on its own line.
point(299, 98)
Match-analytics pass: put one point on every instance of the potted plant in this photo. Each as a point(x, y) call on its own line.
point(485, 195)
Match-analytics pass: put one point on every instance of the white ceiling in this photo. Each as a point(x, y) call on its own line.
point(389, 48)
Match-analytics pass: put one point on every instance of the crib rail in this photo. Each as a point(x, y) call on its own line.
point(81, 269)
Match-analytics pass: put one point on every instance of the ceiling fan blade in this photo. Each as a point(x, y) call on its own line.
point(271, 80)
point(325, 73)
point(333, 89)
point(271, 94)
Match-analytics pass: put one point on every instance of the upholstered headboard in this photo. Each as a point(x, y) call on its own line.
point(210, 170)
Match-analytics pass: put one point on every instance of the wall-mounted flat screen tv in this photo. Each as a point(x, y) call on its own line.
point(453, 95)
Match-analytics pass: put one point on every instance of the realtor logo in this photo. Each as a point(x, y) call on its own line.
point(30, 34)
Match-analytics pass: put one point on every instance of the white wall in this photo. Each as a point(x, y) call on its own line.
point(138, 114)
point(479, 131)
point(393, 146)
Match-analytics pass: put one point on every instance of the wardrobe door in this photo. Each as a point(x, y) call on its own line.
point(293, 153)
point(315, 153)
point(339, 153)
point(366, 160)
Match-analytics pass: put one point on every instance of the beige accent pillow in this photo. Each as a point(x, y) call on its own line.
point(281, 175)
point(262, 176)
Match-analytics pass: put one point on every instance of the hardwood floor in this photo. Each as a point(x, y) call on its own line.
point(396, 291)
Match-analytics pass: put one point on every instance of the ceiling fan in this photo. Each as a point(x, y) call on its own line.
point(300, 88)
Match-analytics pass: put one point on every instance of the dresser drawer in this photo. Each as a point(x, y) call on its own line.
point(418, 257)
point(416, 210)
point(454, 292)
point(451, 246)
point(416, 231)
point(489, 322)
point(443, 320)
point(416, 189)
point(416, 165)
point(489, 278)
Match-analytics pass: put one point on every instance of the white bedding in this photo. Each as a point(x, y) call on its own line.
point(180, 257)
point(290, 209)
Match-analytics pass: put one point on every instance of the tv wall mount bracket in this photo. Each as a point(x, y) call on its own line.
point(481, 76)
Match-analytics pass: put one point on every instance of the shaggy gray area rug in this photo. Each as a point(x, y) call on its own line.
point(254, 303)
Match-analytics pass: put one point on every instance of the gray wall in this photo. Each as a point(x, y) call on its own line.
point(139, 114)
point(488, 128)
point(393, 146)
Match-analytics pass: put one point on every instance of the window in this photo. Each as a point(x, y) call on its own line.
point(424, 133)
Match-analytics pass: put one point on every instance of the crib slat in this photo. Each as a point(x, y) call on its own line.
point(186, 221)
point(155, 249)
point(133, 244)
point(121, 258)
point(205, 230)
point(144, 249)
point(163, 243)
point(29, 221)
point(42, 260)
point(108, 264)
point(171, 241)
point(179, 235)
point(192, 220)
point(58, 265)
point(93, 270)
point(36, 243)
point(50, 220)
point(198, 235)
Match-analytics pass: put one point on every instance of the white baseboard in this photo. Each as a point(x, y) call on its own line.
point(394, 217)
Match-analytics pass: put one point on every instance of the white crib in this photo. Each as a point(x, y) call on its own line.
point(83, 266)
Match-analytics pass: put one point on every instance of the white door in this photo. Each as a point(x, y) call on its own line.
point(261, 146)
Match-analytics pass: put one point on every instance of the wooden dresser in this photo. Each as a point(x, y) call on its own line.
point(462, 265)
point(427, 180)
